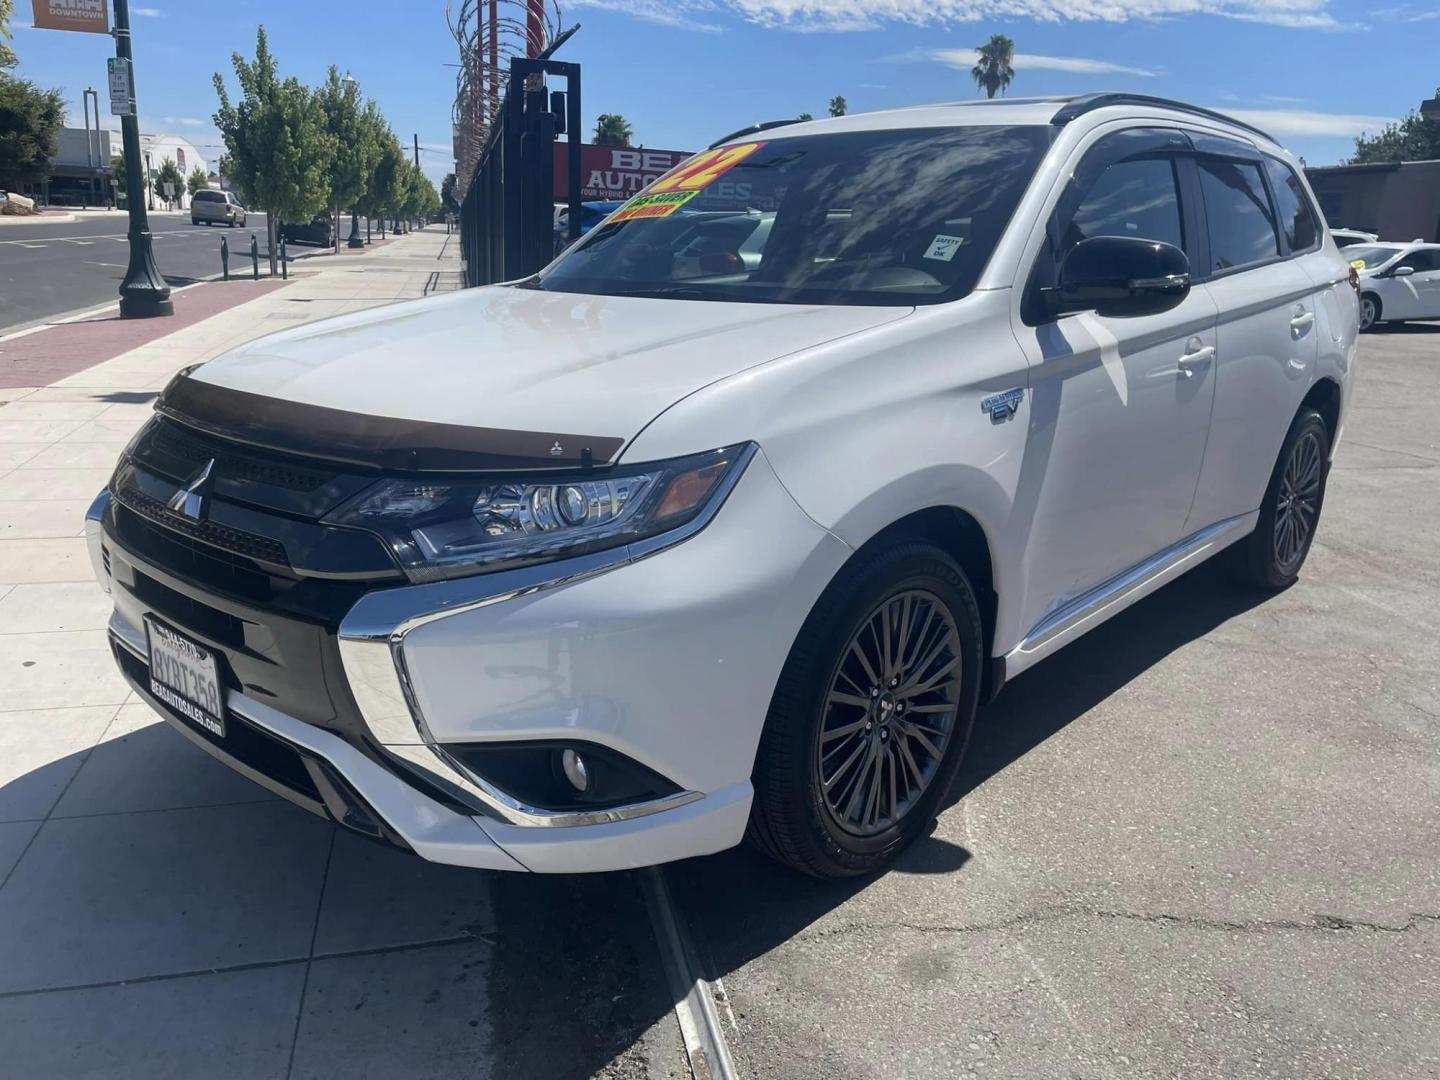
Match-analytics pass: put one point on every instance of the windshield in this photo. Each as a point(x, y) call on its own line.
point(863, 217)
point(1368, 256)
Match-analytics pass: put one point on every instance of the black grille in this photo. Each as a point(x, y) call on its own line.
point(213, 566)
point(236, 541)
point(179, 453)
point(186, 610)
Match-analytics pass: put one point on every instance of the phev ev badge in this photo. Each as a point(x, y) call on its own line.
point(1002, 407)
point(191, 499)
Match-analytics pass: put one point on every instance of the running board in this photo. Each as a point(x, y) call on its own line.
point(1110, 597)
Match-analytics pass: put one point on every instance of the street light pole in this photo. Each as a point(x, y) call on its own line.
point(144, 293)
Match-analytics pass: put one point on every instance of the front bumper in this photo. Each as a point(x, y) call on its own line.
point(669, 659)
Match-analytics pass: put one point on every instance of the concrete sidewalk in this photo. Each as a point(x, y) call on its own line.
point(159, 915)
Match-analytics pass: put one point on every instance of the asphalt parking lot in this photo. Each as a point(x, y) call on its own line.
point(1203, 841)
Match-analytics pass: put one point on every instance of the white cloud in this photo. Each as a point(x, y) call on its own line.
point(964, 59)
point(147, 12)
point(839, 15)
point(1305, 122)
point(184, 121)
point(680, 14)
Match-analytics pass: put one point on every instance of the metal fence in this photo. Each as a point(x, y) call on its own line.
point(507, 217)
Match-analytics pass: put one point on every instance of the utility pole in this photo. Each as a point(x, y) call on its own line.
point(144, 293)
point(417, 150)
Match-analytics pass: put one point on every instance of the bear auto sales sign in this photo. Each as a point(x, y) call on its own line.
point(613, 173)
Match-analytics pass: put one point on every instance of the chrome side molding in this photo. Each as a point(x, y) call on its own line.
point(1112, 596)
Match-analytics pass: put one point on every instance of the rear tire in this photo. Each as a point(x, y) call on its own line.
point(848, 775)
point(1369, 311)
point(1272, 555)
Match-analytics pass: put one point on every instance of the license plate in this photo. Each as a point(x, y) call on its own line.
point(184, 676)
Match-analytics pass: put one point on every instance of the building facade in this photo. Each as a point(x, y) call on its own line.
point(1399, 200)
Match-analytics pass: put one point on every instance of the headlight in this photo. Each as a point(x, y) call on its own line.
point(455, 526)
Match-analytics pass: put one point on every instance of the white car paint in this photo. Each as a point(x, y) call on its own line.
point(1140, 447)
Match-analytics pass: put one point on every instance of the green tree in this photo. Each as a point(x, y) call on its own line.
point(449, 197)
point(347, 123)
point(198, 180)
point(7, 54)
point(30, 122)
point(612, 129)
point(276, 139)
point(994, 65)
point(805, 116)
point(169, 173)
point(388, 181)
point(378, 136)
point(1412, 139)
point(838, 106)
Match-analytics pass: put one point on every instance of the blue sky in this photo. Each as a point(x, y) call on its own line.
point(1313, 72)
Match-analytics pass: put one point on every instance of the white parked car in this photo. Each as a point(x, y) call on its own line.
point(1397, 281)
point(1346, 237)
point(603, 568)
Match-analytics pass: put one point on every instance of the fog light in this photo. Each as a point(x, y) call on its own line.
point(575, 771)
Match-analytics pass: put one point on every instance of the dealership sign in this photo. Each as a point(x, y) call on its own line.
point(613, 173)
point(87, 16)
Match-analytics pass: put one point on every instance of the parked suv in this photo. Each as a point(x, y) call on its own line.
point(207, 207)
point(609, 566)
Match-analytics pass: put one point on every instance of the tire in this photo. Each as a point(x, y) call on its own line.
point(1369, 311)
point(793, 818)
point(1272, 555)
point(194, 221)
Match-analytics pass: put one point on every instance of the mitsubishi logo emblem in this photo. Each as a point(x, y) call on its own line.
point(190, 500)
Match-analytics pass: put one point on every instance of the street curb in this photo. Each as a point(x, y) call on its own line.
point(85, 313)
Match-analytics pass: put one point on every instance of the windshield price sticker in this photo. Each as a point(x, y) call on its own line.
point(652, 206)
point(944, 247)
point(702, 170)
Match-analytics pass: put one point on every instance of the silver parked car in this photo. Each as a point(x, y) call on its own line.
point(210, 207)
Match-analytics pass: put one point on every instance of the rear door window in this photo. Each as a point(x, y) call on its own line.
point(1241, 219)
point(1297, 217)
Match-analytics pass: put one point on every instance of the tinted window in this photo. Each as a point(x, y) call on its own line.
point(1369, 256)
point(1297, 219)
point(1423, 261)
point(207, 196)
point(859, 217)
point(1242, 228)
point(1131, 198)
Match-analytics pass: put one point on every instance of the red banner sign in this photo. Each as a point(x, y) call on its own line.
point(612, 173)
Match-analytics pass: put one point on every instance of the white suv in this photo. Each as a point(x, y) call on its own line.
point(607, 567)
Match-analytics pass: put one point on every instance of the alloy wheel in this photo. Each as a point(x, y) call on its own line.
point(1298, 502)
point(890, 712)
point(1367, 313)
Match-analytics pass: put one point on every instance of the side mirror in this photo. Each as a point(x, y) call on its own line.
point(1402, 271)
point(1121, 276)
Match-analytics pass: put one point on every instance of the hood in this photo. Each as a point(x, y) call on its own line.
point(555, 377)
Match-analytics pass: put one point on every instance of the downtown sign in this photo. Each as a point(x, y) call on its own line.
point(86, 16)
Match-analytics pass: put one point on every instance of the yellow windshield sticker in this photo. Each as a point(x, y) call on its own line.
point(704, 168)
point(1358, 264)
point(652, 206)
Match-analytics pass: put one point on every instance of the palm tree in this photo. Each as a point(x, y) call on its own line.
point(612, 129)
point(993, 68)
point(837, 106)
point(805, 116)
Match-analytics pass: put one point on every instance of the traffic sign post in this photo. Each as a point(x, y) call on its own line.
point(121, 74)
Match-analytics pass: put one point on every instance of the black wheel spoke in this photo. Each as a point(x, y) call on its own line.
point(901, 665)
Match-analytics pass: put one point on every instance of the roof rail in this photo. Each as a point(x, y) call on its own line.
point(1089, 102)
point(751, 130)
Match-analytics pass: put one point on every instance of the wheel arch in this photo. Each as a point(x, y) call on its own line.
point(960, 535)
point(1325, 398)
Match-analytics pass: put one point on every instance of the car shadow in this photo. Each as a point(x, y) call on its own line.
point(575, 983)
point(1409, 327)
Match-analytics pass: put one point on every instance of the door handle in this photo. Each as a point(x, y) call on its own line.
point(1196, 357)
point(1301, 320)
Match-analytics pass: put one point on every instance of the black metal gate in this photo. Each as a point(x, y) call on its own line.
point(507, 228)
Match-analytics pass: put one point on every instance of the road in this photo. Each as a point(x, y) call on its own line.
point(47, 270)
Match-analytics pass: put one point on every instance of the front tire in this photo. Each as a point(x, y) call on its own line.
point(871, 714)
point(1369, 311)
point(1274, 553)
